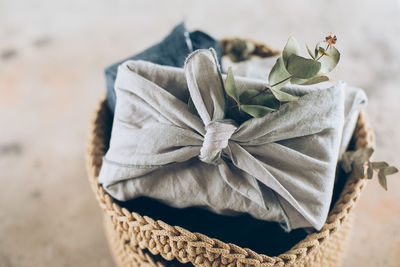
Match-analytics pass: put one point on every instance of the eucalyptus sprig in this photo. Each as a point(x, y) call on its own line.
point(240, 50)
point(289, 68)
point(359, 162)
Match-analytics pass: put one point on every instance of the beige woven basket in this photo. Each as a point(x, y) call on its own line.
point(137, 240)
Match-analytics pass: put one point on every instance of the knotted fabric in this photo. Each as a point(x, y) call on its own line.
point(280, 167)
point(215, 140)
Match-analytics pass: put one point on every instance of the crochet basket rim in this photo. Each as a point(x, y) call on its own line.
point(183, 243)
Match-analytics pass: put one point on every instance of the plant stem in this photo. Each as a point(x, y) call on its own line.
point(322, 54)
point(269, 88)
point(261, 92)
point(284, 80)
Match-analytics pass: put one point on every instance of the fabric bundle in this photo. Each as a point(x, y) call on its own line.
point(280, 167)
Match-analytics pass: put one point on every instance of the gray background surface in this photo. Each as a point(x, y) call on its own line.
point(52, 55)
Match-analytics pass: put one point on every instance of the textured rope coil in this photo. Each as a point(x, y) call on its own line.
point(134, 239)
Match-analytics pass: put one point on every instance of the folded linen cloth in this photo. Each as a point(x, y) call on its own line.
point(171, 51)
point(280, 167)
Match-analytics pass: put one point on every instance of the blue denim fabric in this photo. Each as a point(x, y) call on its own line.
point(171, 51)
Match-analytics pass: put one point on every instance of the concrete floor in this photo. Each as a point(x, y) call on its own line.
point(52, 54)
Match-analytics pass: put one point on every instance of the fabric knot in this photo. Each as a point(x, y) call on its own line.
point(215, 140)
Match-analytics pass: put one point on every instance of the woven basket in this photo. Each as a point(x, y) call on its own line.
point(137, 240)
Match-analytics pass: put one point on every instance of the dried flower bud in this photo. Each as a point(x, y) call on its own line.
point(331, 39)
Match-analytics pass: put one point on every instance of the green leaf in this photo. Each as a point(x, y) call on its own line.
point(264, 99)
point(379, 165)
point(346, 161)
point(278, 74)
point(234, 56)
point(363, 154)
point(282, 96)
point(236, 50)
point(312, 55)
point(291, 48)
point(370, 171)
point(358, 168)
point(328, 62)
point(301, 67)
point(240, 50)
point(238, 45)
point(295, 80)
point(313, 80)
point(230, 86)
point(389, 170)
point(382, 179)
point(255, 110)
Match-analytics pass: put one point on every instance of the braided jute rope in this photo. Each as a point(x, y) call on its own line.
point(135, 239)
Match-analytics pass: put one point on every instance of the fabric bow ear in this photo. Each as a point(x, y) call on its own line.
point(206, 89)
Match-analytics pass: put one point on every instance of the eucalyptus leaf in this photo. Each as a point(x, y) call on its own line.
point(370, 171)
point(363, 154)
point(357, 161)
point(382, 179)
point(234, 56)
point(236, 50)
point(240, 50)
point(358, 168)
point(389, 170)
point(282, 96)
point(329, 61)
point(291, 48)
point(278, 74)
point(379, 165)
point(350, 155)
point(313, 80)
point(262, 99)
point(230, 86)
point(299, 81)
point(301, 67)
point(238, 45)
point(312, 55)
point(346, 162)
point(255, 110)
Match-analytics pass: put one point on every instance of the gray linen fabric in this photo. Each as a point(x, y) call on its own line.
point(280, 167)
